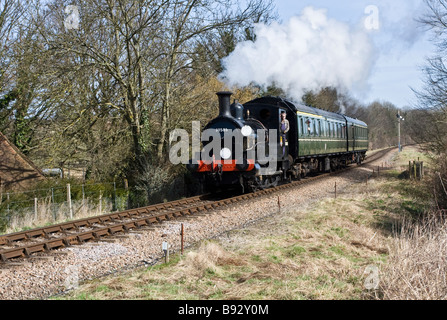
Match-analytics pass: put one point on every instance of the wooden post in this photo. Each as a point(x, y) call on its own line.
point(53, 207)
point(35, 209)
point(100, 201)
point(83, 195)
point(7, 201)
point(126, 187)
point(182, 232)
point(414, 169)
point(115, 207)
point(1, 190)
point(335, 189)
point(279, 205)
point(422, 169)
point(70, 207)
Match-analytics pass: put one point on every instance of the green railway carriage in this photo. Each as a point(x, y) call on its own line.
point(320, 132)
point(318, 140)
point(357, 135)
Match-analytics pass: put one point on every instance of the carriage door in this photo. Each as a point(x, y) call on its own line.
point(283, 139)
point(352, 140)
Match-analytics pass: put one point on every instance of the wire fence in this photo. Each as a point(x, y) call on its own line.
point(31, 208)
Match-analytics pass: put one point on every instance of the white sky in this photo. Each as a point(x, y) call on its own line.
point(401, 44)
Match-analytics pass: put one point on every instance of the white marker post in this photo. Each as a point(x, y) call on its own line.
point(165, 248)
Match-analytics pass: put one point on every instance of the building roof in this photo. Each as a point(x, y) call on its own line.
point(16, 170)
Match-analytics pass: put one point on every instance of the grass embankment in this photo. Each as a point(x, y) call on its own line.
point(344, 248)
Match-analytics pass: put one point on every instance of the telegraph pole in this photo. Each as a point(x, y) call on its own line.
point(398, 129)
point(399, 118)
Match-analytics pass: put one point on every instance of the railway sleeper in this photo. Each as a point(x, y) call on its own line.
point(12, 253)
point(36, 233)
point(116, 229)
point(129, 226)
point(85, 236)
point(151, 220)
point(51, 230)
point(54, 244)
point(101, 232)
point(16, 237)
point(93, 221)
point(3, 241)
point(39, 247)
point(80, 224)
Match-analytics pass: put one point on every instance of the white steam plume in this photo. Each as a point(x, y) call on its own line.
point(310, 52)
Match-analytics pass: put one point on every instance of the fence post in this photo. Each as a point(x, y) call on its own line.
point(126, 186)
point(70, 208)
point(100, 201)
point(335, 189)
point(182, 233)
point(35, 209)
point(1, 190)
point(53, 207)
point(83, 195)
point(115, 207)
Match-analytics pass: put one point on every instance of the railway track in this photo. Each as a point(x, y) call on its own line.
point(26, 243)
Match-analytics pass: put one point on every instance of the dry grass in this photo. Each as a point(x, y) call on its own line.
point(417, 267)
point(48, 213)
point(327, 249)
point(311, 253)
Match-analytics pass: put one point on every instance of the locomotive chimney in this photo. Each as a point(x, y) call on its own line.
point(224, 103)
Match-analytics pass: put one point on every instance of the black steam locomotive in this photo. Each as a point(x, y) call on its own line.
point(271, 140)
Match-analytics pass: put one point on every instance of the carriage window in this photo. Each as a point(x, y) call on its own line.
point(317, 127)
point(308, 122)
point(303, 132)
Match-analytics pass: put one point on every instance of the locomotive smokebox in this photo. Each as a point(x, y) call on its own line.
point(224, 103)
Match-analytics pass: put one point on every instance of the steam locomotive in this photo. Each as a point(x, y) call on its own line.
point(271, 140)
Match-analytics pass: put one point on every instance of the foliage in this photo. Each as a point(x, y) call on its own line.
point(432, 99)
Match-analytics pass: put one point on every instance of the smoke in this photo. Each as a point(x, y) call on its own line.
point(309, 52)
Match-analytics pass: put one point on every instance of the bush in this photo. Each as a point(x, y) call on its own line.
point(439, 182)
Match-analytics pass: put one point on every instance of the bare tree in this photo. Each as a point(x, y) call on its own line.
point(11, 12)
point(432, 99)
point(116, 41)
point(188, 24)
